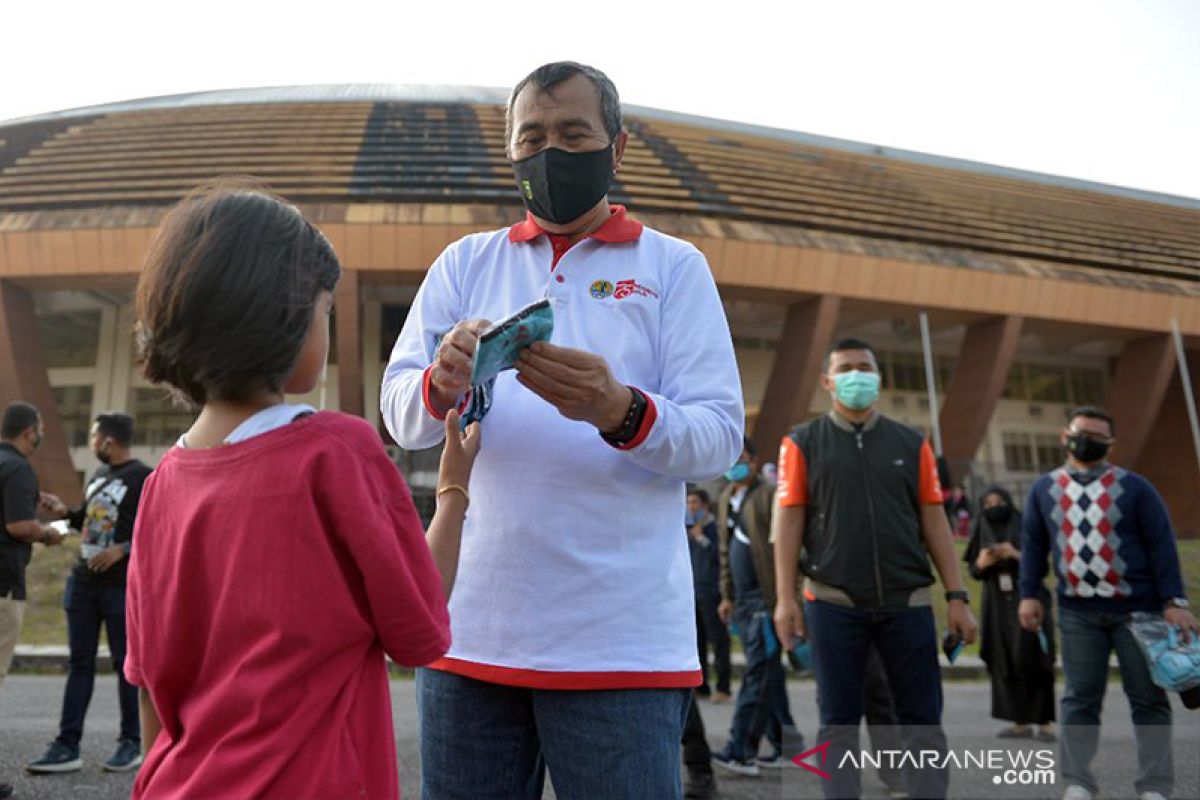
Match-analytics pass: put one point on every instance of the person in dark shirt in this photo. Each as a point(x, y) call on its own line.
point(20, 435)
point(95, 596)
point(704, 547)
point(747, 597)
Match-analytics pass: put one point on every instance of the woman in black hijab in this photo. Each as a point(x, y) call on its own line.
point(1020, 663)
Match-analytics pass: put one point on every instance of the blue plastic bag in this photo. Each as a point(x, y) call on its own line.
point(1174, 664)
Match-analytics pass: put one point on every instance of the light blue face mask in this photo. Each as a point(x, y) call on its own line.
point(738, 472)
point(856, 390)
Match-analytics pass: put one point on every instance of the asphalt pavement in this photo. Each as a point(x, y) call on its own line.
point(29, 706)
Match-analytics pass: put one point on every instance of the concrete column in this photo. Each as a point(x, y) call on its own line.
point(349, 344)
point(122, 360)
point(23, 376)
point(372, 366)
point(1139, 383)
point(984, 359)
point(105, 346)
point(807, 332)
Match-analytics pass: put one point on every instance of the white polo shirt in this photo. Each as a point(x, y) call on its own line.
point(574, 571)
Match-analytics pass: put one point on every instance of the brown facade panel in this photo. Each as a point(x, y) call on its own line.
point(808, 330)
point(1139, 384)
point(1169, 461)
point(984, 359)
point(23, 376)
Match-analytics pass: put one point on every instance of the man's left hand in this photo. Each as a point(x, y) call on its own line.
point(52, 505)
point(104, 560)
point(1182, 618)
point(577, 383)
point(961, 621)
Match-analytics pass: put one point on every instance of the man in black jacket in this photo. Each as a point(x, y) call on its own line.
point(95, 596)
point(747, 597)
point(859, 511)
point(20, 436)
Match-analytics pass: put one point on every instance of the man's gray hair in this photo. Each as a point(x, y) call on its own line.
point(547, 76)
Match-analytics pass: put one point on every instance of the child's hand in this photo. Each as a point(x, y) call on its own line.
point(458, 455)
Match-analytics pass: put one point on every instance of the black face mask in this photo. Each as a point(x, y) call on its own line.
point(998, 515)
point(1086, 449)
point(561, 187)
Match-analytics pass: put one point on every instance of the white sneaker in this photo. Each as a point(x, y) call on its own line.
point(1152, 796)
point(1077, 793)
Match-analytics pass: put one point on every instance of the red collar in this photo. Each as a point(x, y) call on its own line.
point(617, 228)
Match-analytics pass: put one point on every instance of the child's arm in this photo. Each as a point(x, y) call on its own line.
point(150, 722)
point(445, 530)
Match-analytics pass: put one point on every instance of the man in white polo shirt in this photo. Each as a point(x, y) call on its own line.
point(573, 616)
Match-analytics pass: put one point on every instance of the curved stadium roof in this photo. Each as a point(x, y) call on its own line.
point(399, 144)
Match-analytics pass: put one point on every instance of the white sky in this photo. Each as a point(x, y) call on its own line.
point(1104, 90)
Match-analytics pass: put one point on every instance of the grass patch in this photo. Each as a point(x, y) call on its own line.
point(46, 623)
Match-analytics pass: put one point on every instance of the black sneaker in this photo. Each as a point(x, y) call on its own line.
point(127, 757)
point(700, 784)
point(6, 791)
point(57, 758)
point(738, 766)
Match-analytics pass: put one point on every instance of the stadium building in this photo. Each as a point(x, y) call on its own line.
point(1038, 292)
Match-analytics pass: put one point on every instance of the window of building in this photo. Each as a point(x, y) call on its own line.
point(70, 338)
point(1048, 451)
point(157, 421)
point(908, 372)
point(1047, 384)
point(1018, 453)
point(1087, 386)
point(944, 368)
point(1014, 386)
point(75, 410)
point(391, 322)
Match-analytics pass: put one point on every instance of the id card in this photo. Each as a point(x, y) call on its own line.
point(1006, 582)
point(500, 345)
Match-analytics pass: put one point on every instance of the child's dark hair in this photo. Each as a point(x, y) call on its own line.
point(225, 299)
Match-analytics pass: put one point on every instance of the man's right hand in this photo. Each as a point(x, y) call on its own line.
point(789, 622)
point(1031, 614)
point(51, 537)
point(725, 611)
point(450, 375)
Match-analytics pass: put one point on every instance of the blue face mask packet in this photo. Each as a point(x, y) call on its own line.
point(500, 345)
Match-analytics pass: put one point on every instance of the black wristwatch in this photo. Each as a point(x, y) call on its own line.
point(632, 423)
point(961, 594)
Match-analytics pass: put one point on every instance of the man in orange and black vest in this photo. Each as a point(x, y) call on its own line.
point(859, 511)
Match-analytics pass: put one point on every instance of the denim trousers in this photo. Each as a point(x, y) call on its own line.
point(485, 740)
point(1087, 639)
point(90, 606)
point(906, 640)
point(762, 703)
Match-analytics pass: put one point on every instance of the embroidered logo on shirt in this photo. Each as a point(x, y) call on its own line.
point(630, 287)
point(601, 289)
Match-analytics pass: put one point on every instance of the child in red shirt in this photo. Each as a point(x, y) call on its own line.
point(279, 555)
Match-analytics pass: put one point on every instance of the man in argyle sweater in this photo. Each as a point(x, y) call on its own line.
point(1114, 553)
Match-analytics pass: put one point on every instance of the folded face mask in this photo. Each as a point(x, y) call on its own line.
point(500, 345)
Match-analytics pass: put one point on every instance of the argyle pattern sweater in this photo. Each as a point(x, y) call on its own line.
point(1111, 539)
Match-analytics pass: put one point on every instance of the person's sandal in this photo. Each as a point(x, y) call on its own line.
point(1015, 733)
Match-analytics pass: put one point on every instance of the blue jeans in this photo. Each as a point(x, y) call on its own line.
point(1087, 640)
point(762, 704)
point(484, 740)
point(89, 606)
point(906, 639)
